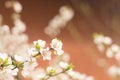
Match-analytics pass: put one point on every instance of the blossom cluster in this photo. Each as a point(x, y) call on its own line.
point(112, 50)
point(66, 13)
point(19, 59)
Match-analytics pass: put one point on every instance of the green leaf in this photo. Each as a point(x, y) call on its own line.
point(37, 46)
point(70, 66)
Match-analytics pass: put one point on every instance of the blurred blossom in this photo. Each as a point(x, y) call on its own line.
point(37, 74)
point(66, 12)
point(117, 56)
point(29, 67)
point(4, 29)
point(114, 71)
point(101, 41)
point(112, 51)
point(107, 40)
point(17, 7)
point(19, 58)
point(101, 47)
point(66, 57)
point(59, 21)
point(78, 76)
point(109, 53)
point(19, 27)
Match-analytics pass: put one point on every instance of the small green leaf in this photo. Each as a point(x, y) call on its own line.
point(37, 46)
point(70, 66)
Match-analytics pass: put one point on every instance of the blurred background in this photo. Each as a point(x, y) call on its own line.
point(90, 16)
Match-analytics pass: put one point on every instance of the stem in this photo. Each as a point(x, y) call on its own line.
point(37, 54)
point(55, 74)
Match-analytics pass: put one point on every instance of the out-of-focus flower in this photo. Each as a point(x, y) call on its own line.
point(4, 29)
point(19, 27)
point(66, 12)
point(113, 51)
point(17, 7)
point(78, 76)
point(59, 21)
point(37, 74)
point(19, 58)
point(101, 41)
point(6, 76)
point(28, 67)
point(114, 71)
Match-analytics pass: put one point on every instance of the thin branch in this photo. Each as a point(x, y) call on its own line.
point(55, 74)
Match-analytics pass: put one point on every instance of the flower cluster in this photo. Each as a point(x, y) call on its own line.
point(59, 21)
point(114, 71)
point(112, 50)
point(101, 41)
point(19, 59)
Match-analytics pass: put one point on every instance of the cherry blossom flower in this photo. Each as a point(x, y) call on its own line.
point(46, 54)
point(57, 46)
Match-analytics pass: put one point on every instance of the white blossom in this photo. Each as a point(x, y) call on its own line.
point(63, 65)
point(114, 71)
point(28, 67)
point(109, 53)
point(37, 74)
point(78, 76)
point(66, 13)
point(11, 70)
point(32, 51)
point(51, 70)
point(46, 54)
point(115, 48)
point(57, 46)
point(19, 58)
point(19, 26)
point(41, 43)
point(17, 7)
point(107, 40)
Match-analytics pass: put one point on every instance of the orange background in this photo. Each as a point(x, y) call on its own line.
point(78, 42)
